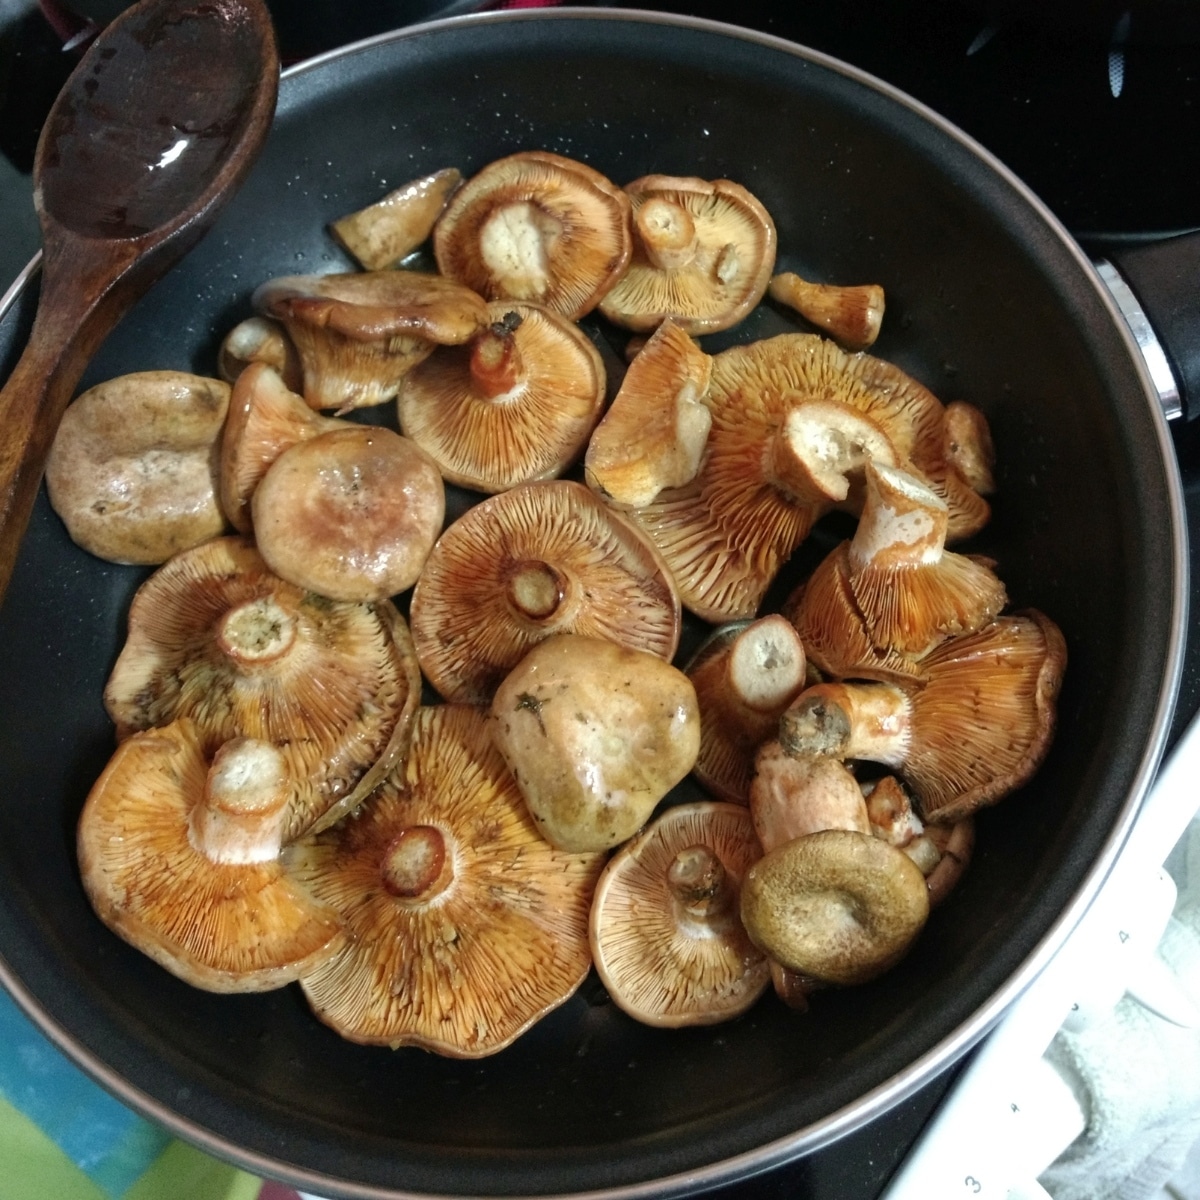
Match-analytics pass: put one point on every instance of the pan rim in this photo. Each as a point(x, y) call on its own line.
point(949, 1049)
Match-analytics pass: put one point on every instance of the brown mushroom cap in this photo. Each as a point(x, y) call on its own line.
point(351, 513)
point(265, 418)
point(745, 674)
point(225, 926)
point(703, 255)
point(215, 636)
point(879, 603)
point(836, 906)
point(383, 233)
point(851, 316)
point(536, 226)
point(358, 334)
point(465, 926)
point(515, 405)
point(540, 559)
point(595, 735)
point(132, 471)
point(665, 932)
point(653, 435)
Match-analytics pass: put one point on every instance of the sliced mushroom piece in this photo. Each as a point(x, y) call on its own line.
point(383, 233)
point(793, 795)
point(265, 418)
point(516, 405)
point(595, 734)
point(880, 602)
point(836, 906)
point(464, 925)
point(181, 858)
point(132, 470)
point(655, 430)
point(703, 255)
point(540, 559)
point(351, 513)
point(358, 334)
point(536, 226)
point(976, 729)
point(851, 316)
point(745, 675)
point(665, 932)
point(260, 340)
point(215, 636)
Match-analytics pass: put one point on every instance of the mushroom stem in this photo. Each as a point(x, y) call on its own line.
point(513, 245)
point(256, 633)
point(667, 232)
point(536, 591)
point(891, 812)
point(240, 817)
point(700, 884)
point(496, 366)
point(903, 522)
point(850, 720)
point(852, 315)
point(416, 866)
point(820, 447)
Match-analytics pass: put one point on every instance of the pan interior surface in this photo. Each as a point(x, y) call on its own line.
point(986, 302)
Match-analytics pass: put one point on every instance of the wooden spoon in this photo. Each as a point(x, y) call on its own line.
point(152, 133)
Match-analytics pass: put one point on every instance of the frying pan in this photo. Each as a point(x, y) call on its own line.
point(988, 300)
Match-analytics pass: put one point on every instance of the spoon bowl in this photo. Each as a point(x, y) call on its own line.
point(152, 133)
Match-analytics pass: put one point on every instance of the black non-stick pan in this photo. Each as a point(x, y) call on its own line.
point(988, 300)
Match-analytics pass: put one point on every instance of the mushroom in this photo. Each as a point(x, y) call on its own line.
point(262, 340)
point(745, 674)
point(703, 255)
point(515, 405)
point(665, 932)
point(836, 906)
point(358, 334)
point(850, 315)
point(351, 513)
point(383, 233)
point(655, 430)
point(595, 735)
point(536, 226)
point(132, 471)
point(181, 858)
point(977, 727)
point(265, 418)
point(540, 559)
point(464, 926)
point(968, 446)
point(880, 602)
point(215, 636)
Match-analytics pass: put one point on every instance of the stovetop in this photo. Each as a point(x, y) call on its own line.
point(1097, 109)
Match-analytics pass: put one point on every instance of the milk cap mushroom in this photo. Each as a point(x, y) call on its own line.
point(260, 340)
point(654, 433)
point(595, 735)
point(385, 232)
point(976, 728)
point(745, 674)
point(216, 636)
point(836, 906)
point(132, 470)
point(358, 334)
point(540, 559)
point(516, 404)
point(536, 226)
point(852, 316)
point(464, 925)
point(351, 513)
point(881, 601)
point(666, 936)
point(180, 856)
point(703, 255)
point(265, 418)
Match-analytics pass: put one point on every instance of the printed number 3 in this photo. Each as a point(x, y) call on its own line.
point(973, 1184)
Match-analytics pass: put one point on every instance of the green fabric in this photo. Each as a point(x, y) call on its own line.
point(33, 1167)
